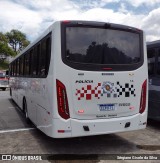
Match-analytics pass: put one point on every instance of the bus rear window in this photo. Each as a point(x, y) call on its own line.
point(102, 46)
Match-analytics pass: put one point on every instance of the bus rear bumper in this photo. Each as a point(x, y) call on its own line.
point(76, 128)
point(107, 126)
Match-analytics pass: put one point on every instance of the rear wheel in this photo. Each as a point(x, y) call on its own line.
point(25, 110)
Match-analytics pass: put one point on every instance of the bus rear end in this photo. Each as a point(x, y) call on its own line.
point(101, 79)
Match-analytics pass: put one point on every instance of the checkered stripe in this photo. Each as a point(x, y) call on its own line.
point(89, 92)
point(128, 90)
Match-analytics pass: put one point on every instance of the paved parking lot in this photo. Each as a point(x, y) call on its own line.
point(18, 137)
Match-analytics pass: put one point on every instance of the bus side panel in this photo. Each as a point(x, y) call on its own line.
point(13, 86)
point(46, 98)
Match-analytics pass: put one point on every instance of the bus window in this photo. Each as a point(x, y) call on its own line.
point(27, 64)
point(17, 67)
point(158, 66)
point(14, 68)
point(34, 61)
point(42, 61)
point(150, 68)
point(48, 53)
point(30, 61)
point(102, 46)
point(21, 66)
point(151, 61)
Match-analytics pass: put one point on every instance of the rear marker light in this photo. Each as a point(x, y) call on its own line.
point(63, 131)
point(132, 108)
point(81, 111)
point(62, 101)
point(143, 97)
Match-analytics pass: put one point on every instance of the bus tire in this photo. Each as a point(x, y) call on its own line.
point(3, 89)
point(25, 111)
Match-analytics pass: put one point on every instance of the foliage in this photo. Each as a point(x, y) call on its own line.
point(11, 43)
point(5, 50)
point(17, 40)
point(4, 65)
point(3, 38)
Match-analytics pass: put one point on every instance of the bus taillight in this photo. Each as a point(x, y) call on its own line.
point(143, 97)
point(63, 108)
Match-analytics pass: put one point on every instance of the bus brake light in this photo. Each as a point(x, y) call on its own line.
point(143, 97)
point(63, 108)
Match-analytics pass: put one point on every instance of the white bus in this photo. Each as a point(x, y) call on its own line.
point(83, 78)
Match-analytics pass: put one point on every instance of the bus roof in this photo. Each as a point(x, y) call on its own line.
point(153, 44)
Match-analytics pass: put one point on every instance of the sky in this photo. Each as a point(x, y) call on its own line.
point(34, 16)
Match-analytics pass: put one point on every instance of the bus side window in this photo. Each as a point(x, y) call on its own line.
point(38, 59)
point(26, 63)
point(21, 66)
point(42, 61)
point(17, 67)
point(14, 68)
point(48, 53)
point(34, 61)
point(158, 66)
point(150, 68)
point(30, 61)
point(151, 61)
point(20, 70)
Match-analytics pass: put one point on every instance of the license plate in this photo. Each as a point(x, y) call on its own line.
point(107, 107)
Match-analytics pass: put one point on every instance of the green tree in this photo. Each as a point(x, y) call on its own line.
point(17, 40)
point(5, 50)
point(3, 38)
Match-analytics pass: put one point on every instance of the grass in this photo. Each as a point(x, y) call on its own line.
point(4, 65)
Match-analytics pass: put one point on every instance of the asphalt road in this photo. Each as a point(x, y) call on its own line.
point(11, 117)
point(18, 137)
